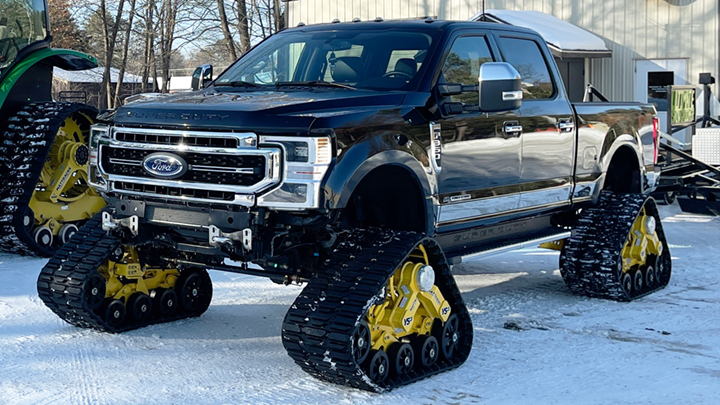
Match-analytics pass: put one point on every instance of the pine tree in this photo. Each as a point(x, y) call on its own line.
point(64, 30)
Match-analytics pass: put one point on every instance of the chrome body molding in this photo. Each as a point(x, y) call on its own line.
point(486, 207)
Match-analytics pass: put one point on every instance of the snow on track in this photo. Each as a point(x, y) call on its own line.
point(535, 343)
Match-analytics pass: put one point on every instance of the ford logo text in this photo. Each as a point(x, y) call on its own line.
point(165, 165)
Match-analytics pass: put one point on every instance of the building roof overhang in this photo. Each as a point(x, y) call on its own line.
point(565, 40)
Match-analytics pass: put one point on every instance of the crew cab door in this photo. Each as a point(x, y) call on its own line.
point(547, 121)
point(480, 151)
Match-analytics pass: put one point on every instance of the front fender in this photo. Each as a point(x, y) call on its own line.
point(62, 58)
point(363, 157)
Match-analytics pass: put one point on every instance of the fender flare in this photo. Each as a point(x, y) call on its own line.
point(610, 150)
point(356, 164)
point(62, 58)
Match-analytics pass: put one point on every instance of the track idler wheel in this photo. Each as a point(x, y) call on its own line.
point(447, 336)
point(361, 342)
point(332, 333)
point(195, 291)
point(618, 251)
point(93, 291)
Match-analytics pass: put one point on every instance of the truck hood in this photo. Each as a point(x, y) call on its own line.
point(269, 111)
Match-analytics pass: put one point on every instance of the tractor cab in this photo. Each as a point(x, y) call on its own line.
point(23, 27)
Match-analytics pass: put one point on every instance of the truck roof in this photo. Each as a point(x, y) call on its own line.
point(410, 24)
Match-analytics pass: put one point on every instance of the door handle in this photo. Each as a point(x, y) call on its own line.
point(512, 128)
point(566, 125)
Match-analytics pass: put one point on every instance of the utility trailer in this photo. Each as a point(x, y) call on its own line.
point(691, 170)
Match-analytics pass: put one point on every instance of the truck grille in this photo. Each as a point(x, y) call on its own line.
point(202, 168)
point(158, 139)
point(222, 167)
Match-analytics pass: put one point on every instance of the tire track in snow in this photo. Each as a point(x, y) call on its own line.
point(86, 388)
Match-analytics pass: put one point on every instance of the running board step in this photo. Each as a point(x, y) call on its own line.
point(497, 248)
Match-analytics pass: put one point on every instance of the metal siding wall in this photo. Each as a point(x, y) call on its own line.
point(632, 29)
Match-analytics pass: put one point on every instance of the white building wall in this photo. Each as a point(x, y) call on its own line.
point(632, 29)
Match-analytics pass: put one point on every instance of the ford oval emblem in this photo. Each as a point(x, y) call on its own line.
point(165, 165)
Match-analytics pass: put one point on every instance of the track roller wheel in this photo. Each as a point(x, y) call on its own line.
point(66, 232)
point(168, 303)
point(426, 349)
point(140, 306)
point(43, 236)
point(402, 357)
point(388, 288)
point(195, 291)
point(618, 250)
point(638, 280)
point(115, 313)
point(378, 366)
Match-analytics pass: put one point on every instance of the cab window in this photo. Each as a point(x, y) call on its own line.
point(525, 55)
point(462, 65)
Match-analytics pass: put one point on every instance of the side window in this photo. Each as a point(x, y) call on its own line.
point(463, 63)
point(525, 55)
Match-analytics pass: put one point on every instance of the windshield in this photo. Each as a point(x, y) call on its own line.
point(367, 59)
point(22, 22)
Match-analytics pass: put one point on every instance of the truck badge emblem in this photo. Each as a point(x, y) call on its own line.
point(165, 165)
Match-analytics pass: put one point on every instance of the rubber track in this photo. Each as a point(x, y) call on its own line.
point(60, 284)
point(23, 151)
point(318, 327)
point(590, 260)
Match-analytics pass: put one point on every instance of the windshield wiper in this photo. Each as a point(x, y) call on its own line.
point(315, 83)
point(238, 83)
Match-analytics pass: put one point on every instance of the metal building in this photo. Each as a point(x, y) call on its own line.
point(652, 42)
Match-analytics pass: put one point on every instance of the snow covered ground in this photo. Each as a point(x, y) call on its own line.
point(661, 349)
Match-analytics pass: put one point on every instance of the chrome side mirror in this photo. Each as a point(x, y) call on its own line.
point(500, 87)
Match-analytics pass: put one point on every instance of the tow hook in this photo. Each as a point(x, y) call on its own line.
point(217, 237)
point(109, 223)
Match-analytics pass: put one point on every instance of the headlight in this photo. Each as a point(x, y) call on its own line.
point(306, 163)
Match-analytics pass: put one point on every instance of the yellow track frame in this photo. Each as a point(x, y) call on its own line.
point(641, 243)
point(62, 194)
point(135, 277)
point(406, 310)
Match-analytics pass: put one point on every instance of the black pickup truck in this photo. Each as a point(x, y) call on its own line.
point(363, 159)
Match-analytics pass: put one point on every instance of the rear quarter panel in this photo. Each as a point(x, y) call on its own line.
point(603, 128)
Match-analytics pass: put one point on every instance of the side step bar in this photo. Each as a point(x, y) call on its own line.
point(494, 249)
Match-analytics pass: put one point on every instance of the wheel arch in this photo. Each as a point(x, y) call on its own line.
point(400, 170)
point(622, 166)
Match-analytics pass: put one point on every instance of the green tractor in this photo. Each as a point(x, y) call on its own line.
point(44, 195)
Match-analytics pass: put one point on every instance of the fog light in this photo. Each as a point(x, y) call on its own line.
point(288, 193)
point(426, 278)
point(650, 225)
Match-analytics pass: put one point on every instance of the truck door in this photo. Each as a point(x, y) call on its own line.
point(480, 151)
point(546, 118)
